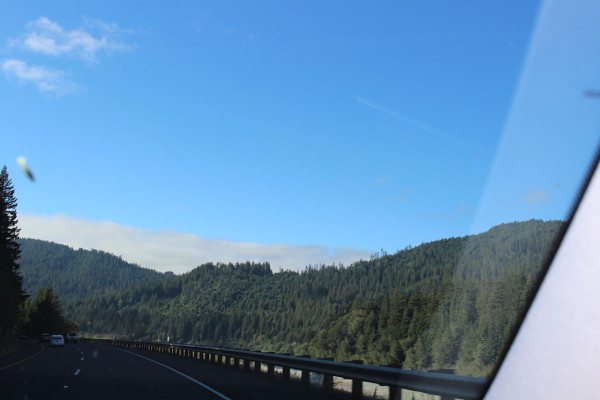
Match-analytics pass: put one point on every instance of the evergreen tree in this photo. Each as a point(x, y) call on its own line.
point(12, 295)
point(45, 315)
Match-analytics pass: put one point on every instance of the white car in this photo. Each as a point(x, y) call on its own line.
point(72, 337)
point(57, 340)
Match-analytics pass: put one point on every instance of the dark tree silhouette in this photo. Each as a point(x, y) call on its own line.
point(12, 295)
point(45, 315)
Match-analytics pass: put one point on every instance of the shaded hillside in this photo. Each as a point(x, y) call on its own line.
point(77, 274)
point(444, 304)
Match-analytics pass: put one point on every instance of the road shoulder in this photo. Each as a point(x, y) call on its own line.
point(28, 348)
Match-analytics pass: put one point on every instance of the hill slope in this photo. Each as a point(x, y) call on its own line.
point(77, 274)
point(445, 304)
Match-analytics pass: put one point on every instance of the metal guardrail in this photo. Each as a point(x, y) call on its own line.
point(447, 386)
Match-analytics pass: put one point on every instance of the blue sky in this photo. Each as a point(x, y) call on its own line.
point(343, 125)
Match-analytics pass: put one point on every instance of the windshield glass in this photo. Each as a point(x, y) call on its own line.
point(375, 188)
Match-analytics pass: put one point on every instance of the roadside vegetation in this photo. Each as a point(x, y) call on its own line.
point(19, 315)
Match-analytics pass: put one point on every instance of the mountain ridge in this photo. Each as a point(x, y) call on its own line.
point(386, 310)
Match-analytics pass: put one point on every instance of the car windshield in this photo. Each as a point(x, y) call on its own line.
point(284, 199)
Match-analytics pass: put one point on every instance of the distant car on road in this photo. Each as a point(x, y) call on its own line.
point(72, 337)
point(45, 338)
point(57, 341)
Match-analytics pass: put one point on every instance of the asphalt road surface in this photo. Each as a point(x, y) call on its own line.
point(90, 371)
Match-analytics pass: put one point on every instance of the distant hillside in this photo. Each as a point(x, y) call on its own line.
point(77, 274)
point(445, 304)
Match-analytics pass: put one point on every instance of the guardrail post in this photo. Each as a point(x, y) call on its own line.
point(270, 371)
point(285, 373)
point(327, 380)
point(305, 374)
point(357, 384)
point(327, 384)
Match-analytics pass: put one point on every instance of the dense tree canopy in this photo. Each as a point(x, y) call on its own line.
point(445, 304)
point(77, 274)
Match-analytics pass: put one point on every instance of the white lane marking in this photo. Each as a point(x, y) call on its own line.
point(78, 371)
point(197, 382)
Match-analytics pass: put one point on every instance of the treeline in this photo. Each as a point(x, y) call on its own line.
point(445, 304)
point(18, 313)
point(45, 315)
point(77, 274)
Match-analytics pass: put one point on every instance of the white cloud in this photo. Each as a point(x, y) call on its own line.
point(50, 38)
point(45, 79)
point(176, 251)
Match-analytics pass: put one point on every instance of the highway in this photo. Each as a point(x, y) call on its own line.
point(92, 371)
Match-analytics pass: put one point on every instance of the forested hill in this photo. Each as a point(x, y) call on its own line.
point(77, 274)
point(445, 304)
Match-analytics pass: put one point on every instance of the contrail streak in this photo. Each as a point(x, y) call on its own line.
point(411, 121)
